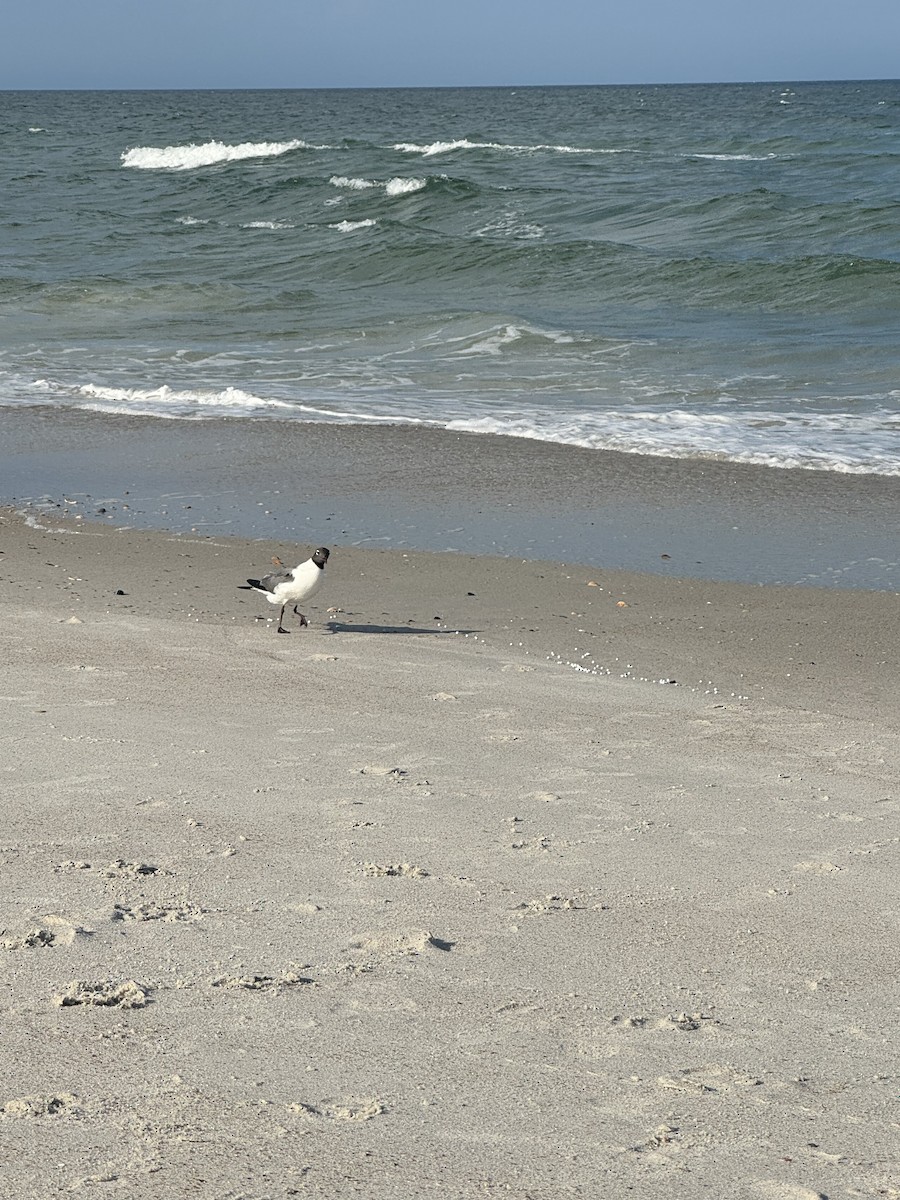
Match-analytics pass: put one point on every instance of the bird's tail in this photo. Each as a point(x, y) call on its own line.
point(254, 585)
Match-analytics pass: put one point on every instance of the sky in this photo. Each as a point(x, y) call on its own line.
point(429, 43)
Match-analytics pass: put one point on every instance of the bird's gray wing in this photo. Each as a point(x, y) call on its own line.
point(271, 581)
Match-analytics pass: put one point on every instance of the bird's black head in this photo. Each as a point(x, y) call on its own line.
point(320, 556)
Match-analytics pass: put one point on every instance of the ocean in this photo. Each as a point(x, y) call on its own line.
point(703, 272)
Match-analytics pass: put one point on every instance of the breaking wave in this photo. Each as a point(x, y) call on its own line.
point(187, 158)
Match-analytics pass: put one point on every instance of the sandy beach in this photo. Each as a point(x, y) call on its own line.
point(505, 878)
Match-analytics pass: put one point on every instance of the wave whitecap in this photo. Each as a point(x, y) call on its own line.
point(350, 226)
point(403, 187)
point(397, 186)
point(352, 184)
point(187, 158)
point(431, 148)
point(732, 157)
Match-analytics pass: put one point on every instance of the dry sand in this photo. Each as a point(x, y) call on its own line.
point(448, 894)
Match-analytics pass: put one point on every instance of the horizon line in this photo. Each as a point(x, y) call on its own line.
point(404, 87)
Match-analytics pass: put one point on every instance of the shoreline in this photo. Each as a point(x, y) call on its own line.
point(805, 647)
point(425, 489)
point(412, 901)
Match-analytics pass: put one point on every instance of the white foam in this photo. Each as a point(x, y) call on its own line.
point(165, 401)
point(428, 149)
point(268, 225)
point(190, 221)
point(431, 148)
point(394, 187)
point(353, 184)
point(187, 158)
point(839, 440)
point(733, 157)
point(350, 226)
point(762, 438)
point(404, 187)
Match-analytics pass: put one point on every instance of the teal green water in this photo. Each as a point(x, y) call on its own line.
point(708, 271)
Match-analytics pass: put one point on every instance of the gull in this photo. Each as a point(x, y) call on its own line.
point(286, 586)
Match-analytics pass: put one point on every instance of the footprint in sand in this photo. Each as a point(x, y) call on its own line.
point(681, 1022)
point(684, 1022)
point(410, 870)
point(817, 868)
point(104, 994)
point(664, 1138)
point(261, 983)
point(157, 912)
point(547, 904)
point(30, 940)
point(399, 945)
point(52, 931)
point(536, 844)
point(707, 1080)
point(119, 868)
point(341, 1110)
point(73, 864)
point(394, 774)
point(62, 1105)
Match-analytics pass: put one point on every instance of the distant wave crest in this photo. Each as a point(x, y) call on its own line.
point(350, 226)
point(732, 157)
point(187, 158)
point(428, 149)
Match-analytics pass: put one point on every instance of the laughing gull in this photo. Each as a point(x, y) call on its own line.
point(287, 586)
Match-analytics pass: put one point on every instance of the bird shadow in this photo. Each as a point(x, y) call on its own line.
point(345, 627)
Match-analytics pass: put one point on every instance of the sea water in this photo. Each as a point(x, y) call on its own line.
point(694, 272)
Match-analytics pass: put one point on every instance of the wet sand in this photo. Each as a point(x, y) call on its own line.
point(431, 489)
point(519, 878)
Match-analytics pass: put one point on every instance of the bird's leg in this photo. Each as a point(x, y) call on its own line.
point(303, 620)
point(281, 628)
